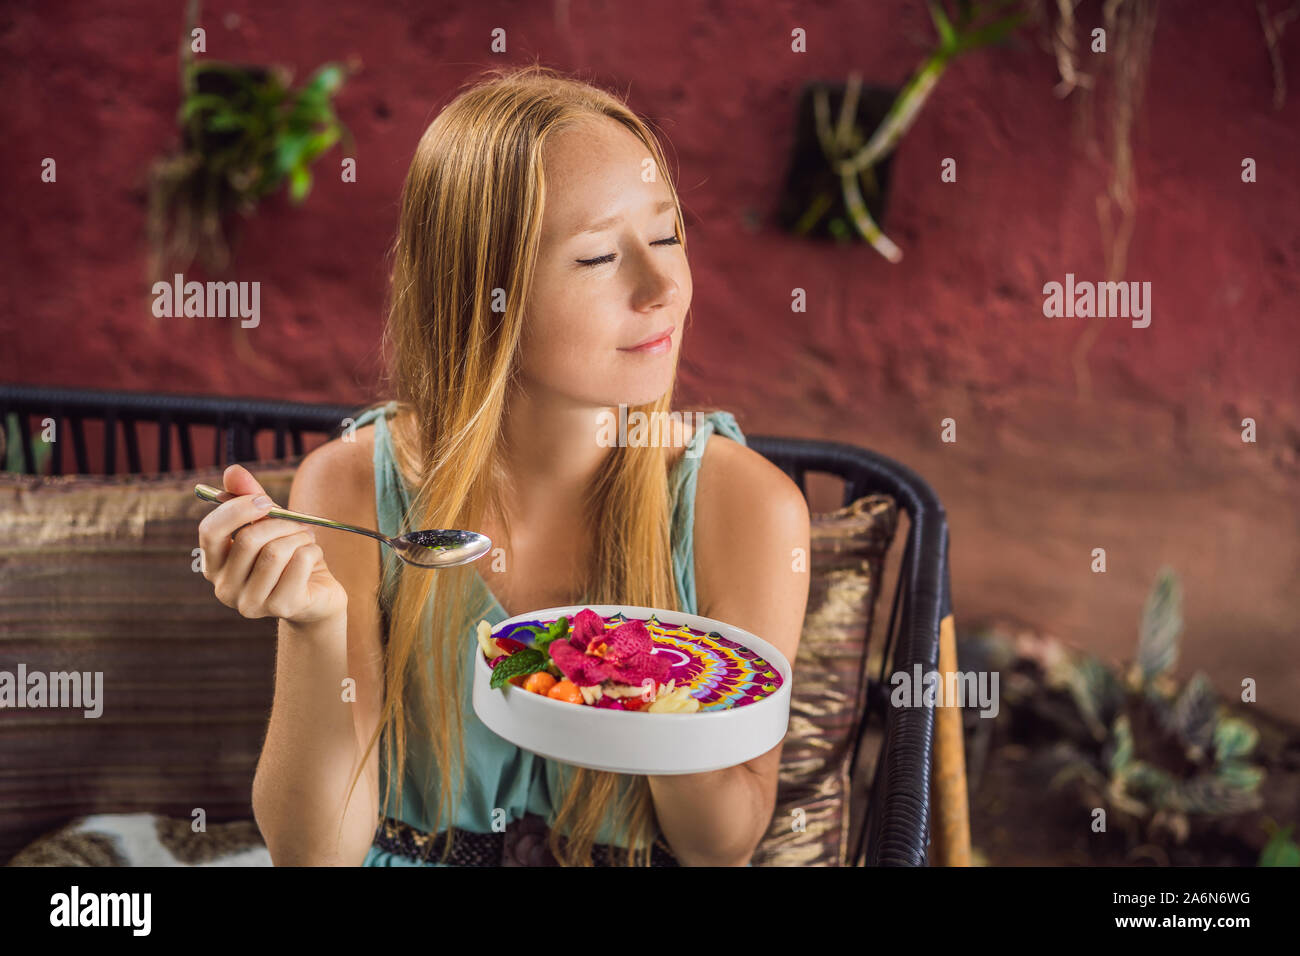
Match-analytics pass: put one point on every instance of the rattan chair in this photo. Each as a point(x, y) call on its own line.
point(916, 805)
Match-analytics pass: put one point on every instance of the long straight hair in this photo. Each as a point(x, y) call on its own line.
point(470, 223)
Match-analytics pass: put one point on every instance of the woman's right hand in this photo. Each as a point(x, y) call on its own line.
point(272, 567)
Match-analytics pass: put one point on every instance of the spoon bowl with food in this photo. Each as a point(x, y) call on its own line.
point(441, 548)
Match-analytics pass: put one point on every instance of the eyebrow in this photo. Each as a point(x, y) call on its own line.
point(601, 224)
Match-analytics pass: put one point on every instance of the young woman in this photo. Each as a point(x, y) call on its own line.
point(540, 282)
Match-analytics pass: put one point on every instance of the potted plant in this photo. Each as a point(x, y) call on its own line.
point(1160, 755)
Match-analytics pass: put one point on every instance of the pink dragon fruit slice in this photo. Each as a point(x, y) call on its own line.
point(583, 669)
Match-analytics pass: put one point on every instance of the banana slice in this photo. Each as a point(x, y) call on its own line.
point(486, 641)
point(675, 701)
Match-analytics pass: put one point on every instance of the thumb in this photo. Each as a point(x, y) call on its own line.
point(240, 481)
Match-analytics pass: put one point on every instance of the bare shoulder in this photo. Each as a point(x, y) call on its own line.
point(751, 520)
point(738, 485)
point(337, 479)
point(734, 479)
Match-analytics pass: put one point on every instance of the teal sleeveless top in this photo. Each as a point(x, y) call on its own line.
point(497, 773)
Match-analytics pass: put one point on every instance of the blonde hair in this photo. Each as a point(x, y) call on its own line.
point(470, 222)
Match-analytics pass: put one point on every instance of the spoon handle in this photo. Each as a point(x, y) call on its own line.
point(217, 496)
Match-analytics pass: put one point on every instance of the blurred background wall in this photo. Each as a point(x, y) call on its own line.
point(1072, 434)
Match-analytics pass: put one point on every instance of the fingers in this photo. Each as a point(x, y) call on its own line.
point(241, 554)
point(267, 571)
point(270, 567)
point(291, 592)
point(240, 481)
point(220, 523)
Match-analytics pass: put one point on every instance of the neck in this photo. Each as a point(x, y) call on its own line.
point(551, 451)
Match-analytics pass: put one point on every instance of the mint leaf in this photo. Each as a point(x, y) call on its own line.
point(557, 630)
point(528, 661)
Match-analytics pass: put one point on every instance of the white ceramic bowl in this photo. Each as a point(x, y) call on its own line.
point(632, 742)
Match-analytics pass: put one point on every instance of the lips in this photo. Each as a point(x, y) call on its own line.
point(662, 338)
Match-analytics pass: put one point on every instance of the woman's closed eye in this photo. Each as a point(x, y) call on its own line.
point(601, 260)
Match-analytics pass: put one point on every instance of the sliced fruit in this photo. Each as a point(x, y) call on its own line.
point(566, 690)
point(484, 635)
point(675, 701)
point(539, 683)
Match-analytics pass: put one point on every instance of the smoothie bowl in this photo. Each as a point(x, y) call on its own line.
point(631, 689)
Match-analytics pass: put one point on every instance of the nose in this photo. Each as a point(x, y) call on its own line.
point(656, 288)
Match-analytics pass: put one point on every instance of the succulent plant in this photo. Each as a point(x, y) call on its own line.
point(1161, 754)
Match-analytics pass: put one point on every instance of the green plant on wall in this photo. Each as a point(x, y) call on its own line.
point(1162, 754)
point(853, 156)
point(245, 133)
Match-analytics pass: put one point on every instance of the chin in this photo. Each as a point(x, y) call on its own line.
point(618, 383)
point(640, 391)
point(642, 381)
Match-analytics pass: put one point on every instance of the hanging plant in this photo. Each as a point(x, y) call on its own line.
point(812, 203)
point(852, 177)
point(244, 134)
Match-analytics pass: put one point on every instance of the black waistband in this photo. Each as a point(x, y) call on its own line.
point(522, 843)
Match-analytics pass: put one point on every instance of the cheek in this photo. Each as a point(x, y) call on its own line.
point(567, 335)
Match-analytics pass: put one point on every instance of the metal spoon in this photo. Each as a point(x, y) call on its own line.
point(423, 549)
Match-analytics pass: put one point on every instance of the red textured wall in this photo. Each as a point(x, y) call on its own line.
point(1142, 457)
